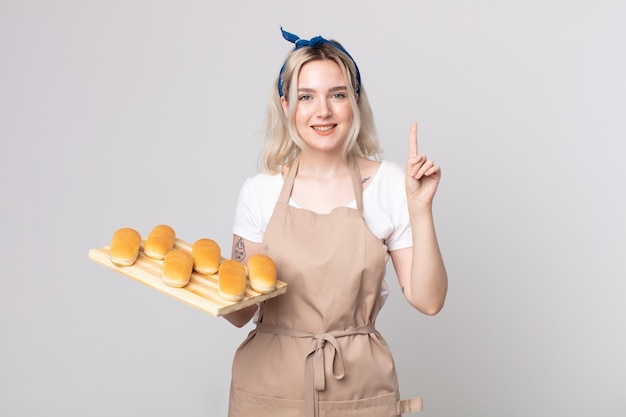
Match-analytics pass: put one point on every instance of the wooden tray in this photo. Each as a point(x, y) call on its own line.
point(201, 292)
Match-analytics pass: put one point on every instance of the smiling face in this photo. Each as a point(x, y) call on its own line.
point(323, 114)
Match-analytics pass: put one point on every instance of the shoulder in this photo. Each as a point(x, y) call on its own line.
point(259, 191)
point(255, 204)
point(261, 183)
point(384, 206)
point(387, 191)
point(371, 166)
point(389, 176)
point(391, 169)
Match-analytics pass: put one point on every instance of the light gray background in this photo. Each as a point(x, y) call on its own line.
point(133, 113)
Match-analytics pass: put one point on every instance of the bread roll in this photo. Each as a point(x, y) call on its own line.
point(262, 273)
point(231, 282)
point(177, 267)
point(159, 242)
point(206, 256)
point(125, 246)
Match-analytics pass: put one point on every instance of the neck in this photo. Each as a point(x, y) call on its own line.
point(322, 165)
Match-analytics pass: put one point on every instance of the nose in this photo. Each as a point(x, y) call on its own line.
point(323, 110)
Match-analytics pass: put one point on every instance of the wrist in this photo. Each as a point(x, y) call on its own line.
point(420, 209)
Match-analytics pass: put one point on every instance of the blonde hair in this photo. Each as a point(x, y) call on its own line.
point(282, 142)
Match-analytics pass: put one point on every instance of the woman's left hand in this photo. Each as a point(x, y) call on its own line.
point(422, 175)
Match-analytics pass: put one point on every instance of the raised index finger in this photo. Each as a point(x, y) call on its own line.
point(413, 140)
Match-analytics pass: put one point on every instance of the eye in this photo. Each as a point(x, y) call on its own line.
point(305, 97)
point(339, 96)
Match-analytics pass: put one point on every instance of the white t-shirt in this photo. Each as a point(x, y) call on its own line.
point(384, 209)
point(384, 206)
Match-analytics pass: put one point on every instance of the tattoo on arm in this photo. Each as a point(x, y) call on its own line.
point(365, 180)
point(402, 290)
point(240, 250)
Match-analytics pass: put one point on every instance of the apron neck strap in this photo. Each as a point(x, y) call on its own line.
point(285, 193)
point(356, 182)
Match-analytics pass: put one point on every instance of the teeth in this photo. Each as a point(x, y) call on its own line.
point(323, 128)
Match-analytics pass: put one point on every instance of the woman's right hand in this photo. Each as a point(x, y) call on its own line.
point(242, 249)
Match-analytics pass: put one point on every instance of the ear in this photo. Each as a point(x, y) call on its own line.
point(285, 106)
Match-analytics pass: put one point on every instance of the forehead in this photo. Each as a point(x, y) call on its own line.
point(320, 74)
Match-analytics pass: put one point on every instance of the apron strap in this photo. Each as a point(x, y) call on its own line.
point(356, 183)
point(285, 192)
point(411, 405)
point(314, 361)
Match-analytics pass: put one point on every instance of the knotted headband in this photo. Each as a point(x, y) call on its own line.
point(312, 43)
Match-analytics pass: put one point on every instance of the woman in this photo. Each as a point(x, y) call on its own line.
point(330, 215)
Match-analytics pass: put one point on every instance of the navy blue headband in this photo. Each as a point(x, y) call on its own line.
point(316, 41)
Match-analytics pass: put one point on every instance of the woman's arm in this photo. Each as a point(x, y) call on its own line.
point(420, 269)
point(241, 251)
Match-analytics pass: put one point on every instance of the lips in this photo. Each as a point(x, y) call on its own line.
point(324, 128)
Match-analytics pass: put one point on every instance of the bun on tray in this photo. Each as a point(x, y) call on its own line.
point(262, 273)
point(177, 267)
point(206, 256)
point(159, 242)
point(125, 246)
point(231, 281)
